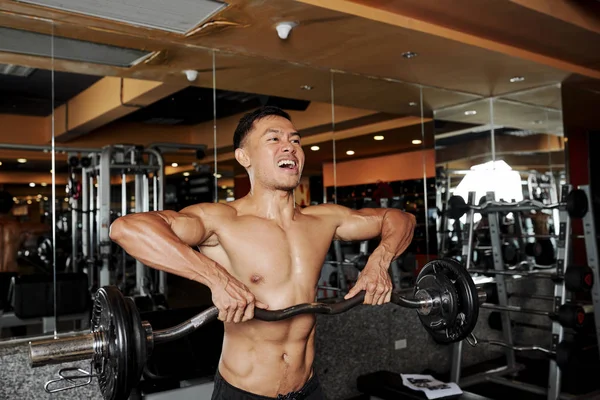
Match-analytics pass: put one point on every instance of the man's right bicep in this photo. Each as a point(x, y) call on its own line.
point(189, 227)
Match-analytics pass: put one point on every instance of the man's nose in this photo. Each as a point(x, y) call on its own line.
point(288, 147)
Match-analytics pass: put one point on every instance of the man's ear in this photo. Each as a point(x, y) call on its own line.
point(242, 157)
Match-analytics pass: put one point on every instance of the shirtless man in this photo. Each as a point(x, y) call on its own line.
point(14, 233)
point(264, 251)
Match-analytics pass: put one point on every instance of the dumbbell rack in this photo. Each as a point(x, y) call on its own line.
point(560, 298)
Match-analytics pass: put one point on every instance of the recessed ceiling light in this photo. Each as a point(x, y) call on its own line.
point(378, 137)
point(45, 199)
point(470, 112)
point(409, 54)
point(223, 187)
point(350, 152)
point(21, 160)
point(306, 87)
point(515, 79)
point(0, 162)
point(32, 184)
point(174, 165)
point(186, 174)
point(217, 175)
point(412, 104)
point(39, 196)
point(417, 141)
point(28, 201)
point(44, 184)
point(314, 148)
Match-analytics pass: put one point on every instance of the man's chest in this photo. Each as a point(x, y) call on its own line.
point(263, 249)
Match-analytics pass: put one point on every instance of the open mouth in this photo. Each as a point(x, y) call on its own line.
point(287, 164)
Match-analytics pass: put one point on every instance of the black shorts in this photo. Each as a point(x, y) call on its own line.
point(225, 391)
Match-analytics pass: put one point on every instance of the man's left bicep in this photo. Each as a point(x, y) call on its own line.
point(362, 224)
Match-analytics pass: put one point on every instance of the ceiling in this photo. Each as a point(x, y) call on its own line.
point(348, 52)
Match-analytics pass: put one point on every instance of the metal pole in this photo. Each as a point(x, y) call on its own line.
point(467, 251)
point(140, 269)
point(124, 201)
point(560, 294)
point(494, 225)
point(104, 215)
point(85, 249)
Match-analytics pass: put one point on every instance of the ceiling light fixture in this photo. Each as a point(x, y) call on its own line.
point(186, 174)
point(45, 199)
point(409, 54)
point(284, 29)
point(44, 184)
point(378, 137)
point(306, 87)
point(174, 165)
point(417, 141)
point(516, 79)
point(350, 152)
point(21, 160)
point(470, 112)
point(28, 201)
point(412, 104)
point(32, 184)
point(314, 148)
point(217, 175)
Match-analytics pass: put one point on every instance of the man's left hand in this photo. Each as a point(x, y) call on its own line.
point(375, 280)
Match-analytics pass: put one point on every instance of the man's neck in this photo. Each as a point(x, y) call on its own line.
point(272, 204)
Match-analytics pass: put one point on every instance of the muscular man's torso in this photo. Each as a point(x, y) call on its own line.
point(280, 265)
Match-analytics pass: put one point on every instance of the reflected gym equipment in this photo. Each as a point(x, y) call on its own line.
point(119, 342)
point(577, 278)
point(576, 205)
point(569, 315)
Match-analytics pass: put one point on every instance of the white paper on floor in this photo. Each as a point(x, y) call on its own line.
point(432, 388)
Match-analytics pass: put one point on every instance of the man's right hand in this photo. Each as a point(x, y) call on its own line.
point(233, 299)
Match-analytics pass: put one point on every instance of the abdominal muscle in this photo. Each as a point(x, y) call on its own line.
point(268, 358)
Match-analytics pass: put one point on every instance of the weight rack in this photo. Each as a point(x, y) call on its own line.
point(553, 391)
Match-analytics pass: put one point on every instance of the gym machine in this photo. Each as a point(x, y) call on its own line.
point(119, 342)
point(574, 278)
point(92, 209)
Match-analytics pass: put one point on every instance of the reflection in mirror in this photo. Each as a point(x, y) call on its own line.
point(26, 265)
point(383, 158)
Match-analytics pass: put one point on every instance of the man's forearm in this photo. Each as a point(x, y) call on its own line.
point(397, 228)
point(150, 240)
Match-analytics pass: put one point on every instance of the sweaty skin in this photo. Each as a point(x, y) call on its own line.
point(12, 235)
point(264, 251)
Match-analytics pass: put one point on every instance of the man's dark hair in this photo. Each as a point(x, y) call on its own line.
point(6, 202)
point(247, 121)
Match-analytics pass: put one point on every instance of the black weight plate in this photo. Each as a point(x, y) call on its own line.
point(577, 203)
point(113, 368)
point(138, 346)
point(467, 304)
point(579, 278)
point(456, 207)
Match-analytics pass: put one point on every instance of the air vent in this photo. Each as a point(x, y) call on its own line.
point(37, 44)
point(179, 16)
point(16, 70)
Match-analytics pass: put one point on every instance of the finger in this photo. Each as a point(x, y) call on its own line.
point(222, 315)
point(248, 313)
point(381, 292)
point(355, 289)
point(239, 312)
point(388, 296)
point(261, 305)
point(370, 293)
point(230, 313)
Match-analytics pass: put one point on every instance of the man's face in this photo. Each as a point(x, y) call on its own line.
point(275, 155)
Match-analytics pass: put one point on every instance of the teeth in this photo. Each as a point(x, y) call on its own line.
point(286, 162)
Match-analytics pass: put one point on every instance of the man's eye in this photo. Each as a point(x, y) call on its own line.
point(274, 138)
point(296, 141)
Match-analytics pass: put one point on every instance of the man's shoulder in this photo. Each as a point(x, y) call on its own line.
point(325, 210)
point(210, 210)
